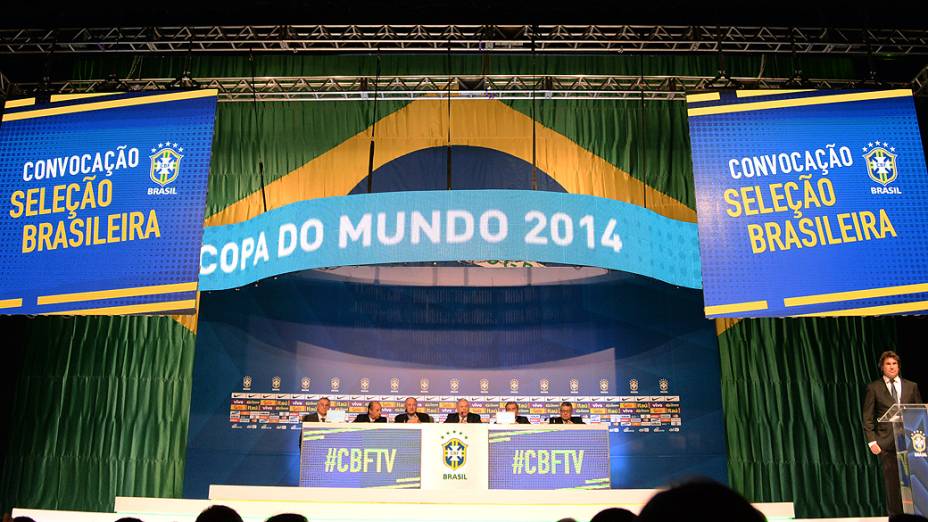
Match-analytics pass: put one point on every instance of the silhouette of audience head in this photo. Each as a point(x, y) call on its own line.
point(614, 515)
point(287, 517)
point(699, 500)
point(219, 514)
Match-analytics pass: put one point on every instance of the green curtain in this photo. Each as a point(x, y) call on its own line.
point(100, 410)
point(792, 391)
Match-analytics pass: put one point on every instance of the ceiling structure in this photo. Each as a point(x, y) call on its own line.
point(188, 40)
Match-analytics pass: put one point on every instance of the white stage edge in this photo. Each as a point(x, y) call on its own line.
point(256, 504)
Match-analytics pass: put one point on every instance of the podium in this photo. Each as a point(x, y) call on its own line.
point(910, 425)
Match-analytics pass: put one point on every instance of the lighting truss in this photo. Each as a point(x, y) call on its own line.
point(920, 83)
point(465, 38)
point(7, 88)
point(503, 87)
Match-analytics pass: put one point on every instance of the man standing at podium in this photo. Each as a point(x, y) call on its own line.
point(881, 395)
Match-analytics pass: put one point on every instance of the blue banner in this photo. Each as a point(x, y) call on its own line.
point(562, 458)
point(450, 226)
point(810, 202)
point(365, 456)
point(102, 203)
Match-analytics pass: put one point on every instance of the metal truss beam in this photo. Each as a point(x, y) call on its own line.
point(465, 38)
point(504, 87)
point(920, 83)
point(7, 88)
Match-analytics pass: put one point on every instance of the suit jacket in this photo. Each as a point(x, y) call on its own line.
point(472, 418)
point(876, 402)
point(520, 419)
point(311, 417)
point(363, 417)
point(558, 420)
point(402, 417)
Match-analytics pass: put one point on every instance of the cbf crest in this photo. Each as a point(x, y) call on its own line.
point(454, 450)
point(919, 444)
point(881, 162)
point(165, 163)
point(574, 385)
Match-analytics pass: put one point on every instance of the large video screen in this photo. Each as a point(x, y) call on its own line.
point(810, 202)
point(102, 203)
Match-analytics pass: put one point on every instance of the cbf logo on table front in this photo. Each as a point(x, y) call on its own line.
point(454, 454)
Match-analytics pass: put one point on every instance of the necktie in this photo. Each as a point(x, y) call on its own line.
point(321, 419)
point(464, 420)
point(892, 390)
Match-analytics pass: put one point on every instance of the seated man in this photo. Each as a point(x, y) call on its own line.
point(566, 417)
point(463, 415)
point(411, 415)
point(322, 409)
point(372, 415)
point(514, 408)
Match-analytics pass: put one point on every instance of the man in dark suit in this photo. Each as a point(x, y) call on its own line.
point(514, 408)
point(463, 415)
point(882, 394)
point(372, 415)
point(566, 417)
point(411, 415)
point(322, 409)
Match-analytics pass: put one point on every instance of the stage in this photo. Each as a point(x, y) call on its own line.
point(344, 505)
point(347, 505)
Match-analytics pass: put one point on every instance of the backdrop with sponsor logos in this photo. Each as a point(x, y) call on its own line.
point(627, 350)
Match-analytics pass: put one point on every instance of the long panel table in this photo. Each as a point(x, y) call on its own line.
point(454, 456)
